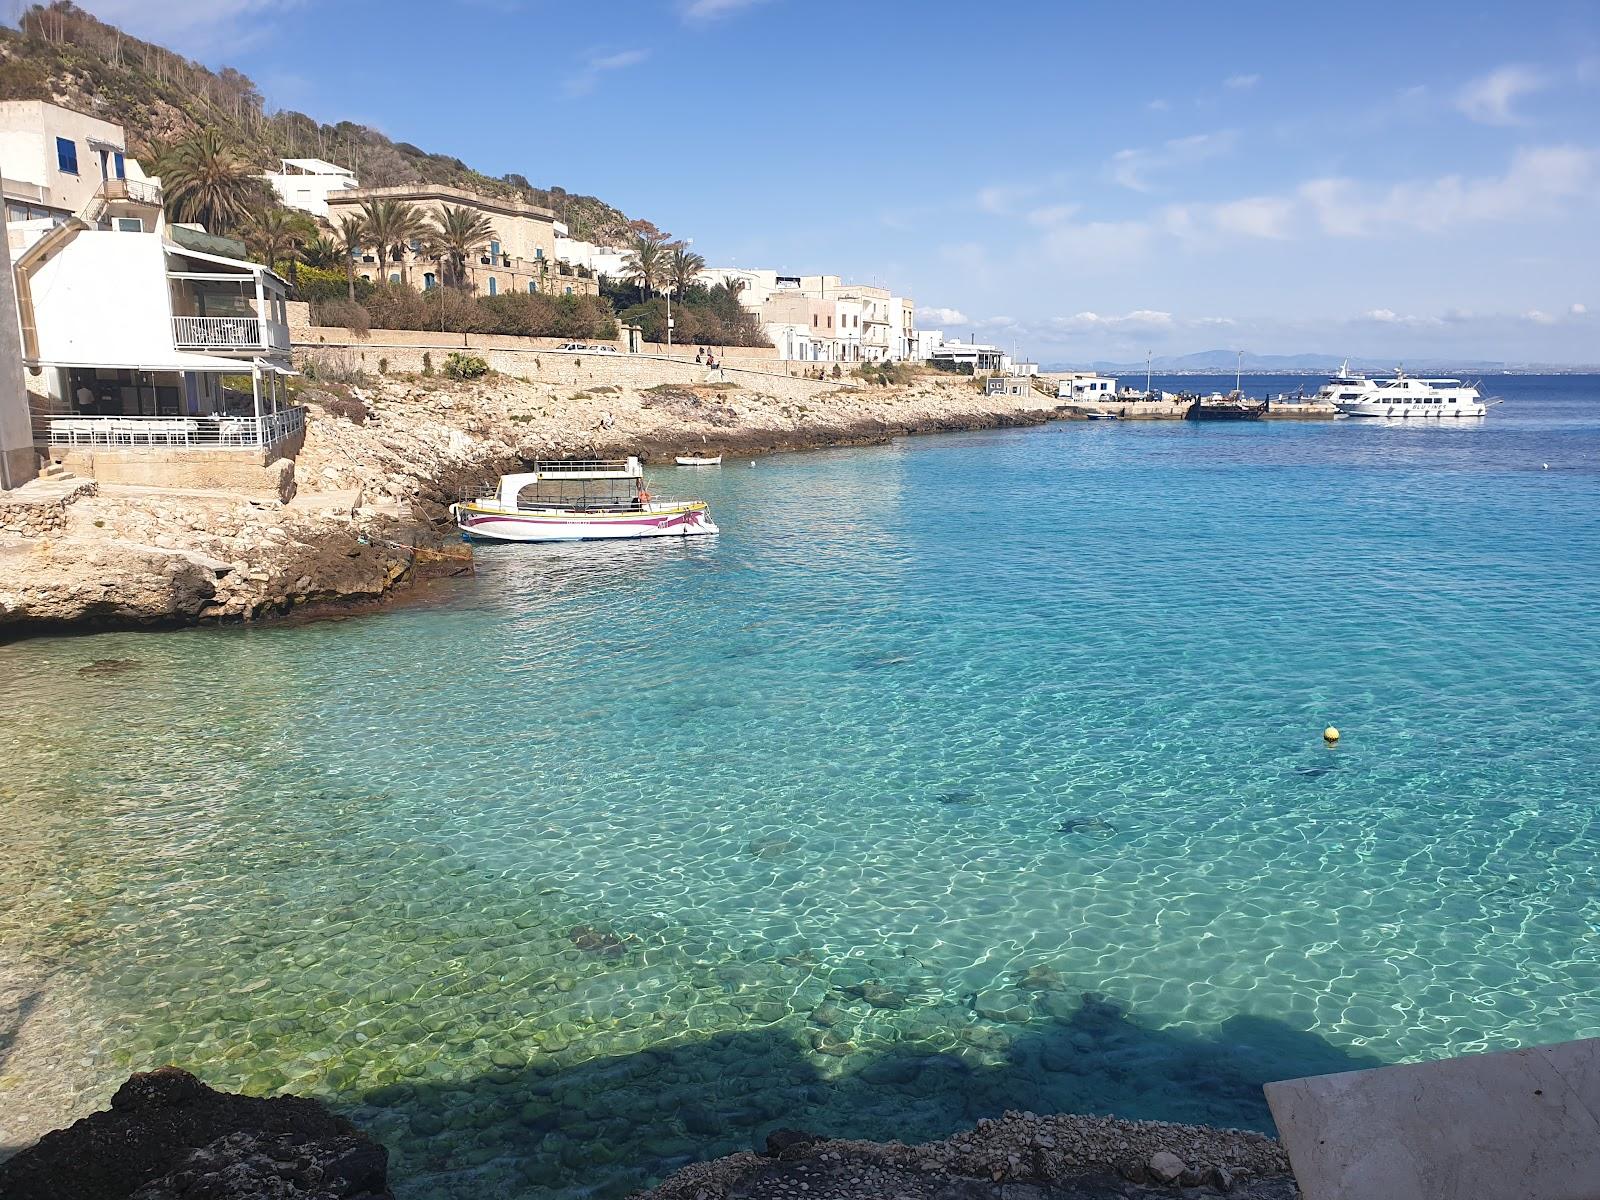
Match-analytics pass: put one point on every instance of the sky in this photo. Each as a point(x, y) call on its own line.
point(1077, 180)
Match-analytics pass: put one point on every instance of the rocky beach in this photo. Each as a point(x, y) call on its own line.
point(380, 465)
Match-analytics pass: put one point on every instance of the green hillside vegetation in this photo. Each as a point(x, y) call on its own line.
point(63, 54)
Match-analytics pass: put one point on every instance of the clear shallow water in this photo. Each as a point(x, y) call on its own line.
point(621, 855)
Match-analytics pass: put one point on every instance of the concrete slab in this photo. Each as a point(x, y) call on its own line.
point(1518, 1125)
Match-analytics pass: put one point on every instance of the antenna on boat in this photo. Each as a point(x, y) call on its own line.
point(1238, 373)
point(1147, 356)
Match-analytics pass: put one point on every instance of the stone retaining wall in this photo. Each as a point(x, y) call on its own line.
point(41, 514)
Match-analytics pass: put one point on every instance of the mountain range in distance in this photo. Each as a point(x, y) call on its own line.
point(1220, 362)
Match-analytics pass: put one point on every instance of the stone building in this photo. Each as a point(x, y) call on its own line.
point(519, 257)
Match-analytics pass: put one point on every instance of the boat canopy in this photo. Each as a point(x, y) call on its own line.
point(574, 470)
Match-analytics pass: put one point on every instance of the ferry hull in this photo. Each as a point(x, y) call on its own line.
point(1375, 408)
point(483, 524)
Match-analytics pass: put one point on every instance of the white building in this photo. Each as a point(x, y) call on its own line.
point(306, 183)
point(980, 359)
point(18, 460)
point(54, 162)
point(610, 261)
point(1085, 385)
point(127, 337)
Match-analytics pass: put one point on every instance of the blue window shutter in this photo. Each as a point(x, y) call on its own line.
point(67, 155)
point(493, 287)
point(122, 166)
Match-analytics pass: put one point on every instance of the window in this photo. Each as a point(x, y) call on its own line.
point(494, 248)
point(494, 287)
point(130, 224)
point(416, 245)
point(538, 252)
point(394, 276)
point(532, 287)
point(428, 281)
point(569, 291)
point(67, 155)
point(122, 165)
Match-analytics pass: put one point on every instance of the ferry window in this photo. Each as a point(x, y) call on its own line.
point(67, 155)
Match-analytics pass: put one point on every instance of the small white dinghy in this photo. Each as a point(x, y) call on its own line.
point(695, 460)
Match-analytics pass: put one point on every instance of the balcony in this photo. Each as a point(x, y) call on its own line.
point(134, 191)
point(229, 333)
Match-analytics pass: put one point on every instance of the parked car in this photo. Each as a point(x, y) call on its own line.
point(572, 346)
point(602, 349)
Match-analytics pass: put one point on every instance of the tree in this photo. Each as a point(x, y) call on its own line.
point(683, 265)
point(324, 251)
point(457, 232)
point(205, 181)
point(350, 231)
point(647, 263)
point(389, 225)
point(271, 235)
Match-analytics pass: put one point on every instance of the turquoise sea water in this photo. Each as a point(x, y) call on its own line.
point(966, 773)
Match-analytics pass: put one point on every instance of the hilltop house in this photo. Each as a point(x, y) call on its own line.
point(306, 183)
point(519, 257)
point(819, 318)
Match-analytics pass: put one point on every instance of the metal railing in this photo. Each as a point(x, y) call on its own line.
point(136, 190)
point(228, 333)
point(161, 433)
point(557, 466)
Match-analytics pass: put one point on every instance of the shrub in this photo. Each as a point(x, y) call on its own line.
point(321, 284)
point(340, 404)
point(465, 366)
point(427, 363)
point(353, 317)
point(334, 366)
point(383, 366)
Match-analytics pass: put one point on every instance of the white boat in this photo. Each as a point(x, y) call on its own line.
point(578, 500)
point(1357, 395)
point(693, 460)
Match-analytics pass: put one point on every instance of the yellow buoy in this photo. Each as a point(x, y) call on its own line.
point(1330, 735)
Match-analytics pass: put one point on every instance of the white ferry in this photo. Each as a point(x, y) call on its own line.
point(576, 501)
point(1356, 395)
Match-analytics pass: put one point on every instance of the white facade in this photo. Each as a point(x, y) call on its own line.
point(982, 359)
point(18, 462)
point(306, 183)
point(1085, 385)
point(610, 261)
point(53, 161)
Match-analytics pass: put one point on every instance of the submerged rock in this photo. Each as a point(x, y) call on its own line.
point(169, 1135)
point(108, 666)
point(591, 940)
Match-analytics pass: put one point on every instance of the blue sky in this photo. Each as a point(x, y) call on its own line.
point(1084, 180)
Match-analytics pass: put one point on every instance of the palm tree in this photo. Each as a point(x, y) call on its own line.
point(271, 235)
point(351, 231)
point(205, 181)
point(457, 232)
point(389, 225)
point(646, 263)
point(683, 265)
point(324, 252)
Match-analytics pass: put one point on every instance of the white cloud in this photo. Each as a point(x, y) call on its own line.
point(711, 10)
point(1140, 320)
point(1050, 215)
point(1538, 318)
point(1579, 310)
point(1158, 105)
point(1241, 82)
point(596, 65)
point(1254, 216)
point(1538, 181)
point(1132, 168)
point(941, 316)
point(1490, 98)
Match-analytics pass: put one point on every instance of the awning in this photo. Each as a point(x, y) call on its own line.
point(173, 361)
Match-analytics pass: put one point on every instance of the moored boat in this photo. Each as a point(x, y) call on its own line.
point(578, 500)
point(1232, 407)
point(695, 460)
point(1357, 395)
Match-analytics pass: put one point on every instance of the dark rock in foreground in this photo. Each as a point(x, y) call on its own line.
point(1018, 1157)
point(167, 1136)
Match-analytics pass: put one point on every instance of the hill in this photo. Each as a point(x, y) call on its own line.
point(62, 54)
point(1222, 362)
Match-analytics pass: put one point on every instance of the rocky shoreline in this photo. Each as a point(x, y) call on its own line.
point(167, 1136)
point(379, 467)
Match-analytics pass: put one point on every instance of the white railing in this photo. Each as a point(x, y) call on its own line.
point(229, 333)
point(160, 433)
